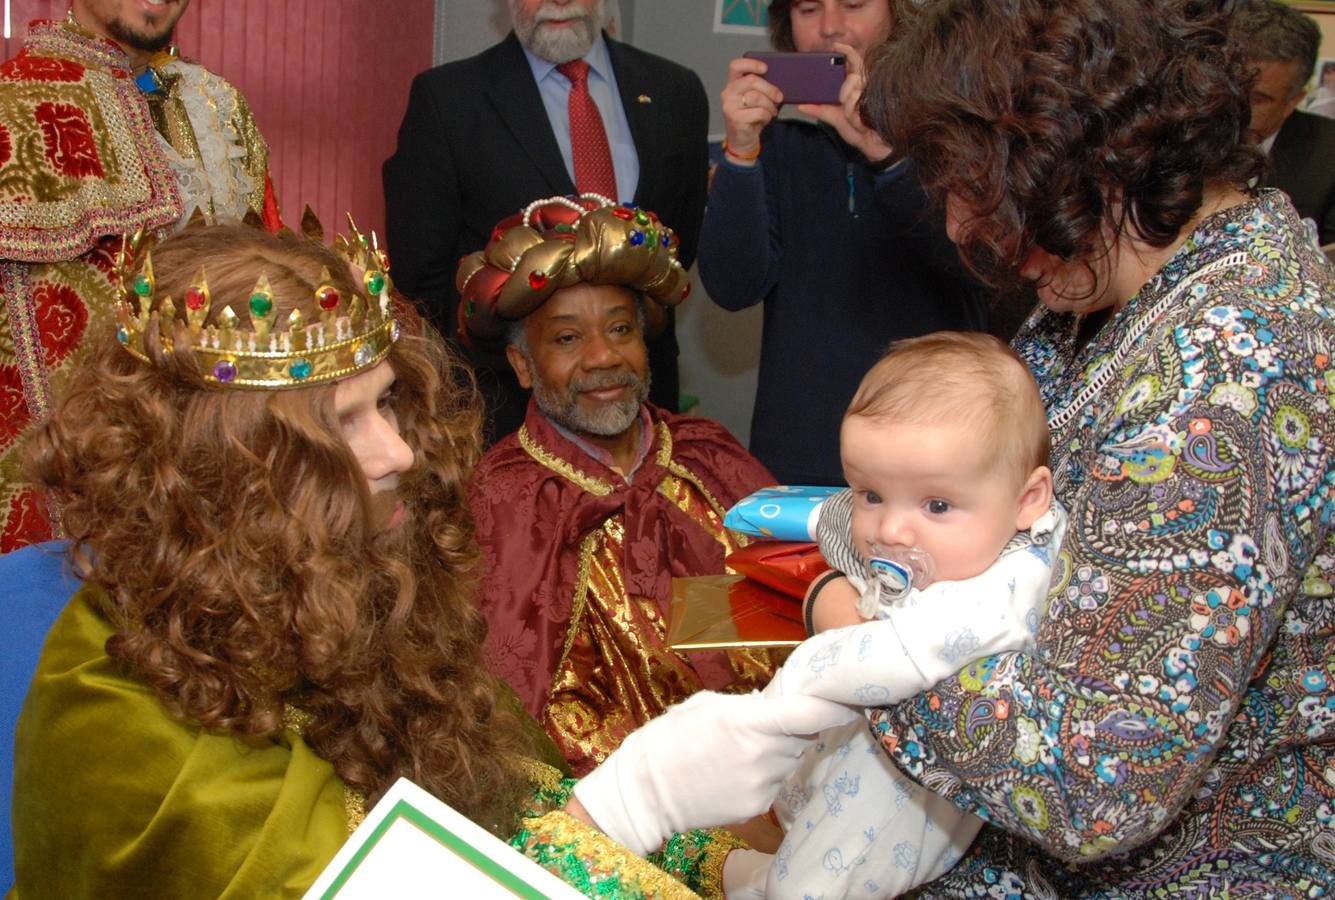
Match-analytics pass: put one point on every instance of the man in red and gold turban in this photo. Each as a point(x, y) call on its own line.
point(601, 498)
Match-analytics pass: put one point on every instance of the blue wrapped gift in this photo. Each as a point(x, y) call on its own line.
point(782, 512)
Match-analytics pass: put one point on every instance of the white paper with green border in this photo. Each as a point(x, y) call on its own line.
point(412, 845)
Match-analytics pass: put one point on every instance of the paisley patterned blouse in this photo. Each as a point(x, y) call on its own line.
point(1173, 733)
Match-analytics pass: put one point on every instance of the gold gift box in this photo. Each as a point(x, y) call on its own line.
point(721, 612)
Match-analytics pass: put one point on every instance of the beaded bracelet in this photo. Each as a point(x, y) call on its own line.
point(746, 157)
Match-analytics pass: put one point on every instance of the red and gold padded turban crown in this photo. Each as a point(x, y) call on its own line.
point(562, 241)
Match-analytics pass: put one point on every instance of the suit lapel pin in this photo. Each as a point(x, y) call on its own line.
point(644, 98)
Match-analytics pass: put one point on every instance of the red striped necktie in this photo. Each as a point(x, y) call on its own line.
point(588, 139)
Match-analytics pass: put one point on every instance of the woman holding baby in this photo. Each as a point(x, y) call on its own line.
point(1173, 730)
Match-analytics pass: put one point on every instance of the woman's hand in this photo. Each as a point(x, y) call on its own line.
point(749, 104)
point(845, 117)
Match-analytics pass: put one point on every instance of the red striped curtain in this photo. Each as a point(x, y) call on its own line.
point(327, 80)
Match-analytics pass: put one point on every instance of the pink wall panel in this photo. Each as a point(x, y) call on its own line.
point(327, 79)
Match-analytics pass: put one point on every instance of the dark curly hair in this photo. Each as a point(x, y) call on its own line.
point(234, 536)
point(1061, 123)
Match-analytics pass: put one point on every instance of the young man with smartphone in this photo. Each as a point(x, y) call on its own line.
point(813, 219)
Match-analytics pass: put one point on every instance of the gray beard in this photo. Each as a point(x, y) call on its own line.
point(608, 419)
point(562, 45)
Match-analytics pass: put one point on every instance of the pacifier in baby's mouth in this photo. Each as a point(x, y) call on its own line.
point(895, 571)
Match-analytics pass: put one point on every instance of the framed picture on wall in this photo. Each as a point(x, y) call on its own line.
point(740, 16)
point(1321, 96)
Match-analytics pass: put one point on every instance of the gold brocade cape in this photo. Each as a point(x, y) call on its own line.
point(81, 163)
point(578, 565)
point(113, 798)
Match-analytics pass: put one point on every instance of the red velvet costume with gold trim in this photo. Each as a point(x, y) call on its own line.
point(82, 163)
point(577, 573)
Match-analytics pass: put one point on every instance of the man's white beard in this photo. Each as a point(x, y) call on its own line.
point(561, 44)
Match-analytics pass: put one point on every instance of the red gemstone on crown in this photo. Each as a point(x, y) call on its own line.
point(537, 280)
point(328, 298)
point(194, 298)
point(622, 213)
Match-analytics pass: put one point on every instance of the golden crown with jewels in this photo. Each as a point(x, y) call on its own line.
point(348, 335)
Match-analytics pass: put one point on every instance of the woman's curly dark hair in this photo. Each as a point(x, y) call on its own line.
point(1061, 123)
point(235, 538)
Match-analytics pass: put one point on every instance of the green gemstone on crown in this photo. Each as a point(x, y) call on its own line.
point(142, 285)
point(300, 369)
point(375, 282)
point(260, 304)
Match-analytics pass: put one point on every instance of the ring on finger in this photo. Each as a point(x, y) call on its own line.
point(746, 99)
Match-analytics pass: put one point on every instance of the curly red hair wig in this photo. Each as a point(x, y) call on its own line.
point(1062, 123)
point(233, 534)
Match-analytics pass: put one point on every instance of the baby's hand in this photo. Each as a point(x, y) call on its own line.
point(831, 602)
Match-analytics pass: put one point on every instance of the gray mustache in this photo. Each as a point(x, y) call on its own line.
point(603, 381)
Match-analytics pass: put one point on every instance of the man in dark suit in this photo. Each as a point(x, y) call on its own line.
point(1282, 44)
point(485, 136)
point(1302, 163)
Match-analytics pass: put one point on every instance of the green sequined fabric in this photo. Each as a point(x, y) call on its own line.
point(689, 865)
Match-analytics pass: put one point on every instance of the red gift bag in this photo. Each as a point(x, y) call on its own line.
point(786, 566)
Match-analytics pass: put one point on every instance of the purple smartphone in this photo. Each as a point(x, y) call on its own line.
point(804, 77)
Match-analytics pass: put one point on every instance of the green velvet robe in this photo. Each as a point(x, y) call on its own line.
point(115, 798)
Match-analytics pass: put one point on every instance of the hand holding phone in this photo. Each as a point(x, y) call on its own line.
point(804, 77)
point(843, 114)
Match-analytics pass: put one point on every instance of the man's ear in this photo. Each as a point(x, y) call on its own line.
point(1035, 498)
point(519, 362)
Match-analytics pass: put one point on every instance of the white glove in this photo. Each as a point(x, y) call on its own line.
point(714, 759)
point(744, 874)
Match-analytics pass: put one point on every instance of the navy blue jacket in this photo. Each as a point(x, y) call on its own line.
point(845, 260)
